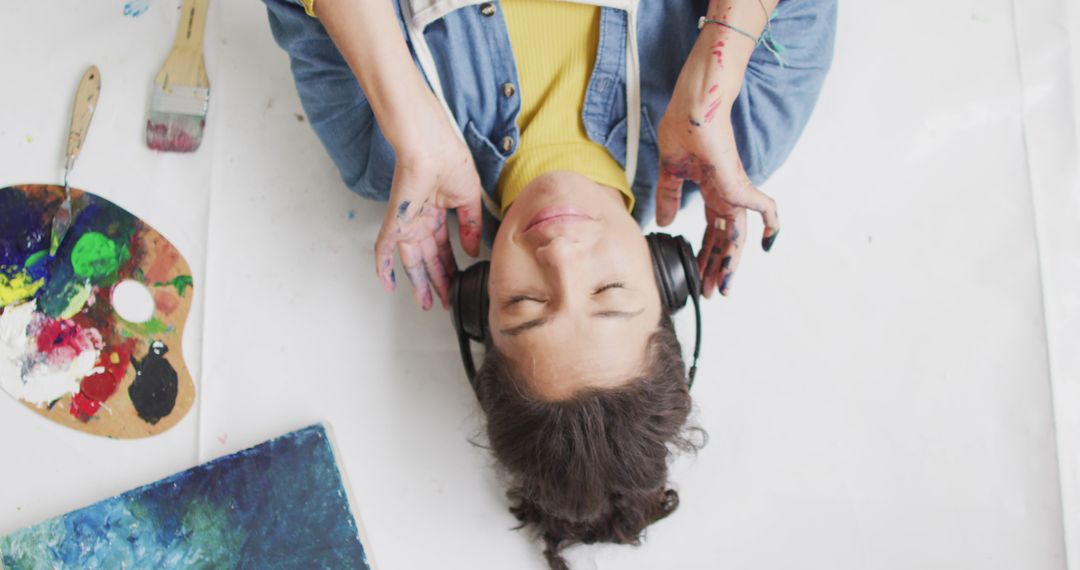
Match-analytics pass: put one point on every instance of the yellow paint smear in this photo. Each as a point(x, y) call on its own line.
point(77, 302)
point(17, 288)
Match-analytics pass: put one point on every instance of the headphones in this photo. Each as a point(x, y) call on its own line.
point(677, 279)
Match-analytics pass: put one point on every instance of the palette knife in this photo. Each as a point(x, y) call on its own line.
point(85, 102)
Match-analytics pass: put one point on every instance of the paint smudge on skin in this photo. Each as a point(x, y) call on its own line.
point(418, 277)
point(155, 388)
point(402, 208)
point(725, 263)
point(695, 123)
point(767, 242)
point(718, 51)
point(180, 283)
point(710, 114)
point(735, 235)
point(713, 89)
point(725, 284)
point(136, 8)
point(282, 503)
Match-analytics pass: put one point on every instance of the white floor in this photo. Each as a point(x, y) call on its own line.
point(881, 392)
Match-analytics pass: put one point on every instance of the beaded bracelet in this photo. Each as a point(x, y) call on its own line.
point(703, 20)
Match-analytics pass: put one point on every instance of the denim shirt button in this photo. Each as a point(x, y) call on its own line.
point(487, 9)
point(507, 144)
point(508, 89)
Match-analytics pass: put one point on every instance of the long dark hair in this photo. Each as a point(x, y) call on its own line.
point(592, 468)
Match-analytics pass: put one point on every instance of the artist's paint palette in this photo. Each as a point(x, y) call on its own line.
point(70, 347)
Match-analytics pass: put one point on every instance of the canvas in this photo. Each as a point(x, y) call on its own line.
point(281, 504)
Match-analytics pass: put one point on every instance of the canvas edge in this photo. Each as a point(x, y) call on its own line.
point(350, 496)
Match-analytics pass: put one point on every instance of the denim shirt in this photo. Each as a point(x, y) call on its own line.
point(463, 48)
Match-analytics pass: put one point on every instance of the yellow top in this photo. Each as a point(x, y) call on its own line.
point(555, 47)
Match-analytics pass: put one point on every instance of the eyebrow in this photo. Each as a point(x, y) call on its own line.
point(529, 325)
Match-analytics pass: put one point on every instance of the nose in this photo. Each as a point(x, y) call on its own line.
point(562, 263)
point(560, 252)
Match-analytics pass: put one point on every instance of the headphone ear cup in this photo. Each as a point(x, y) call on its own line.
point(675, 269)
point(469, 301)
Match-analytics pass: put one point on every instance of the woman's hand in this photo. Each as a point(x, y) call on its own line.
point(434, 172)
point(697, 143)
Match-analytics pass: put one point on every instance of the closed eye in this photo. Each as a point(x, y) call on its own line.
point(612, 285)
point(516, 299)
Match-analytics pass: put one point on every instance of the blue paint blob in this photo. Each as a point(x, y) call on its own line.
point(24, 227)
point(136, 8)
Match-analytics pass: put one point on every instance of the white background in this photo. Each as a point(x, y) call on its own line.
point(881, 391)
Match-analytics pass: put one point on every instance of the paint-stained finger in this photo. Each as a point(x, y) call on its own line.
point(747, 196)
point(384, 260)
point(668, 196)
point(442, 241)
point(706, 263)
point(470, 220)
point(413, 260)
point(438, 274)
point(732, 252)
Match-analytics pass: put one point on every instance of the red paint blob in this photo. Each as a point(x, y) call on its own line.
point(96, 388)
point(60, 335)
point(83, 408)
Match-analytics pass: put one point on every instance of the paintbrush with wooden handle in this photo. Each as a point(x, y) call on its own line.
point(181, 93)
point(86, 98)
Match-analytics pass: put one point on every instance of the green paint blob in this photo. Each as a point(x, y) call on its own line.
point(181, 282)
point(95, 256)
point(150, 328)
point(33, 259)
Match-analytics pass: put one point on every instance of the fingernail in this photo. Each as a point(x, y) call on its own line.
point(767, 242)
point(724, 284)
point(724, 263)
point(427, 301)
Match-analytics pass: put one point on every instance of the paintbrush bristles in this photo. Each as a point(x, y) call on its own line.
point(181, 93)
point(177, 118)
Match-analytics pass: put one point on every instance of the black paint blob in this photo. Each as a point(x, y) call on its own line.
point(154, 390)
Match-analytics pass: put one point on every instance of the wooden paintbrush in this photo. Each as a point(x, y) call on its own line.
point(181, 89)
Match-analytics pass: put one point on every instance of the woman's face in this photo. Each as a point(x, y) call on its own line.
point(573, 297)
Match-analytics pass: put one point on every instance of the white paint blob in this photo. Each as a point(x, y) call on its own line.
point(31, 376)
point(133, 301)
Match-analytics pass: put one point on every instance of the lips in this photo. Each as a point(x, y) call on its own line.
point(557, 215)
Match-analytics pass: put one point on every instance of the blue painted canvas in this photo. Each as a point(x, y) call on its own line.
point(281, 504)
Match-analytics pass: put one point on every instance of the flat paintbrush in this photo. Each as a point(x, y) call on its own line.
point(181, 89)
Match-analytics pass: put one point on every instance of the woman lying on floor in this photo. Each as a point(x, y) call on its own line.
point(522, 115)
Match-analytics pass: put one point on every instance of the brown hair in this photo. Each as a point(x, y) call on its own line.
point(592, 468)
